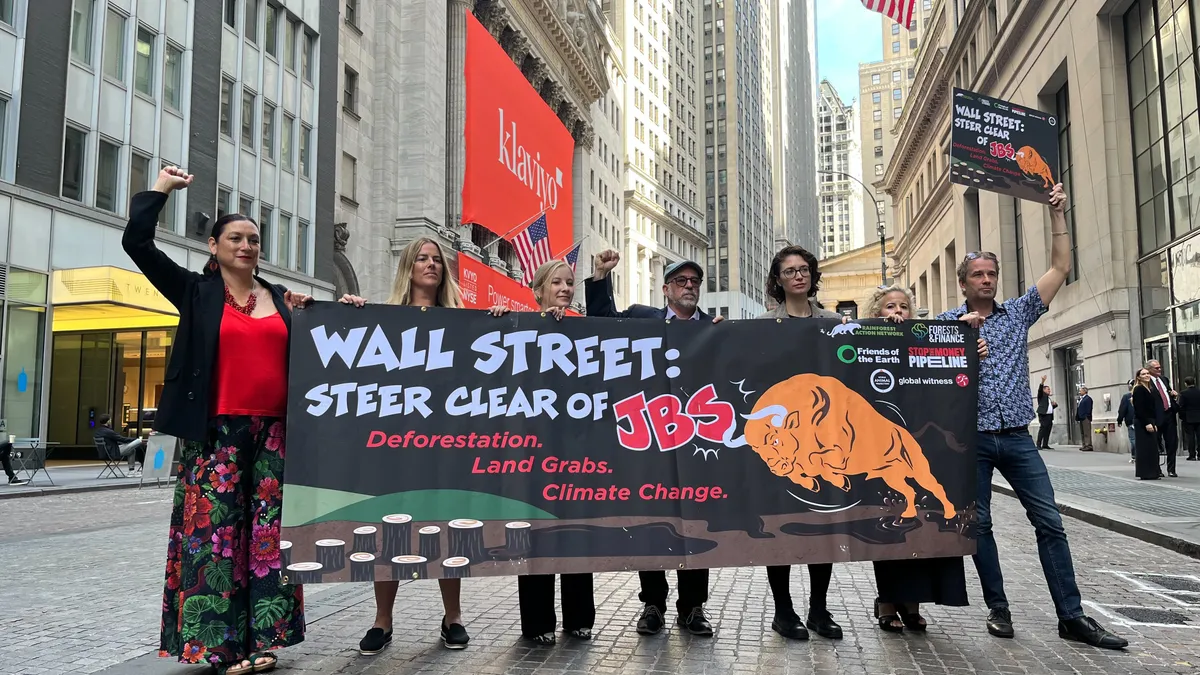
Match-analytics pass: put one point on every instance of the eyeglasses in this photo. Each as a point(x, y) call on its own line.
point(683, 282)
point(793, 272)
point(980, 255)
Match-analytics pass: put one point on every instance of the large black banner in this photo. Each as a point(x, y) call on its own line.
point(429, 443)
point(1003, 147)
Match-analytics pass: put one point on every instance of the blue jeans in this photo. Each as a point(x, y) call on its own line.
point(1017, 459)
point(1132, 443)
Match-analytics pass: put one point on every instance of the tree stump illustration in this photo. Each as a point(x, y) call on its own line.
point(285, 553)
point(362, 567)
point(406, 567)
point(457, 567)
point(466, 539)
point(364, 539)
point(397, 535)
point(331, 553)
point(304, 573)
point(430, 542)
point(517, 540)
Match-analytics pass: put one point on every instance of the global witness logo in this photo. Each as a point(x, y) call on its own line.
point(527, 166)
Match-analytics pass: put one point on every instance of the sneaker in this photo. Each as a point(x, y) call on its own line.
point(374, 641)
point(1085, 629)
point(651, 621)
point(697, 623)
point(999, 623)
point(17, 481)
point(455, 636)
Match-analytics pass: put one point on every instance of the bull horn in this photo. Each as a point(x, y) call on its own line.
point(777, 413)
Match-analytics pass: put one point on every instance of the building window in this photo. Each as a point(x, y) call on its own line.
point(143, 63)
point(895, 29)
point(166, 217)
point(878, 133)
point(350, 178)
point(896, 112)
point(114, 45)
point(877, 115)
point(875, 78)
point(3, 127)
point(896, 47)
point(6, 11)
point(251, 26)
point(231, 13)
point(289, 45)
point(108, 167)
point(271, 38)
point(81, 30)
point(876, 97)
point(139, 174)
point(302, 246)
point(879, 151)
point(283, 240)
point(248, 99)
point(268, 130)
point(245, 206)
point(1062, 108)
point(226, 123)
point(1020, 238)
point(350, 92)
point(352, 12)
point(266, 221)
point(878, 169)
point(309, 56)
point(897, 94)
point(173, 77)
point(74, 147)
point(912, 43)
point(285, 142)
point(305, 150)
point(223, 198)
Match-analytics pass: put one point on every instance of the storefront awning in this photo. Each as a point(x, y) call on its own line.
point(107, 298)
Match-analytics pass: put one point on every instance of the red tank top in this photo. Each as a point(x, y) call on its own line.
point(251, 374)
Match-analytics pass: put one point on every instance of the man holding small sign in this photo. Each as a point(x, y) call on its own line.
point(1003, 147)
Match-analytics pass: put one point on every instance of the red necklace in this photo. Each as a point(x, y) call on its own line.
point(248, 309)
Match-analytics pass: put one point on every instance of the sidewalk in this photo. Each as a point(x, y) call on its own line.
point(70, 478)
point(1100, 488)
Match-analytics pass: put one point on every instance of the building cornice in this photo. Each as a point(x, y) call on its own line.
point(643, 205)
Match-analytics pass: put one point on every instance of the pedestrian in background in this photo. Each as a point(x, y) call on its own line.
point(1125, 416)
point(1189, 414)
point(1083, 417)
point(1147, 413)
point(1045, 413)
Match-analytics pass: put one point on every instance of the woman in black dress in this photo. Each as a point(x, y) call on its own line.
point(1045, 413)
point(904, 584)
point(1145, 425)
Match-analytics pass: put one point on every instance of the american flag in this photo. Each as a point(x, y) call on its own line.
point(533, 247)
point(900, 11)
point(572, 256)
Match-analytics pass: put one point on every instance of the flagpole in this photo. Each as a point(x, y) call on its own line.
point(572, 246)
point(524, 223)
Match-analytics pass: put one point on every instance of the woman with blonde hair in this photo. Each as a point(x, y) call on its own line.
point(904, 584)
point(421, 281)
point(554, 290)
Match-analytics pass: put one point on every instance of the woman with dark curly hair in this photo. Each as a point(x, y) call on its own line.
point(793, 282)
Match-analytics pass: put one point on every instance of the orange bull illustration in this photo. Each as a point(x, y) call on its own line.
point(811, 426)
point(1033, 165)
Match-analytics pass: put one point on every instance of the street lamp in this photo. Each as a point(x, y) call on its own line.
point(879, 228)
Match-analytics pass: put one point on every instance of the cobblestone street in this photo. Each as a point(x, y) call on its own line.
point(82, 584)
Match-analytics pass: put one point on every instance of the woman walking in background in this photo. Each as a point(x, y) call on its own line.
point(1145, 423)
point(1045, 413)
point(421, 281)
point(1125, 416)
point(904, 584)
point(225, 396)
point(554, 290)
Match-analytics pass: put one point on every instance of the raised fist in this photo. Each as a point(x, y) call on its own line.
point(172, 178)
point(605, 262)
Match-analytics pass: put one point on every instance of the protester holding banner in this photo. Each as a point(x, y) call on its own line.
point(904, 584)
point(682, 282)
point(421, 281)
point(1004, 443)
point(793, 282)
point(226, 396)
point(554, 290)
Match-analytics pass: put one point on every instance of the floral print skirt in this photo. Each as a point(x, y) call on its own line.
point(223, 598)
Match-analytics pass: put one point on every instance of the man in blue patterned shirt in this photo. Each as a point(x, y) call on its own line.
point(1004, 443)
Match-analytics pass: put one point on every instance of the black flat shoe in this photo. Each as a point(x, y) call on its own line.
point(999, 623)
point(1086, 630)
point(455, 636)
point(375, 641)
point(790, 627)
point(697, 623)
point(822, 623)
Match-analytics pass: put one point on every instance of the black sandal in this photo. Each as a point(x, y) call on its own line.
point(581, 633)
point(544, 640)
point(913, 620)
point(891, 623)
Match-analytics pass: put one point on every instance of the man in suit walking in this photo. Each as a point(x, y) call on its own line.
point(681, 286)
point(1166, 405)
point(1189, 414)
point(1083, 416)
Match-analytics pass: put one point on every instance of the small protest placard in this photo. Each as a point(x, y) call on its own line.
point(1003, 147)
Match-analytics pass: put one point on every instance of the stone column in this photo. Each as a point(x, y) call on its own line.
point(456, 111)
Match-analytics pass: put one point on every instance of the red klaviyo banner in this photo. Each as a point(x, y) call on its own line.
point(483, 288)
point(518, 153)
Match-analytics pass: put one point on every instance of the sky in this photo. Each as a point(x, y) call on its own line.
point(847, 34)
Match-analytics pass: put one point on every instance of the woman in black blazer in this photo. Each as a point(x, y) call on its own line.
point(225, 396)
point(1145, 426)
